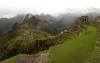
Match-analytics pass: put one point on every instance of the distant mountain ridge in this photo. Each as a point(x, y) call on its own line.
point(7, 23)
point(58, 22)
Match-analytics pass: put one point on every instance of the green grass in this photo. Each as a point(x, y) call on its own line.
point(13, 59)
point(95, 57)
point(76, 50)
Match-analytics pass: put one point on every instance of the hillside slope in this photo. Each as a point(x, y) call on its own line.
point(23, 39)
point(76, 50)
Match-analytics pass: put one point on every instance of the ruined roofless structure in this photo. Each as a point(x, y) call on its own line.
point(83, 19)
point(80, 21)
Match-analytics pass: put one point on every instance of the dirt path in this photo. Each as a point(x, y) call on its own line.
point(41, 58)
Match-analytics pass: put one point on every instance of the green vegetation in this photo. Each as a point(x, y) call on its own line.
point(23, 40)
point(76, 44)
point(13, 59)
point(95, 57)
point(76, 50)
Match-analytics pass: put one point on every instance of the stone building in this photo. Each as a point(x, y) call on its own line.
point(79, 23)
point(82, 20)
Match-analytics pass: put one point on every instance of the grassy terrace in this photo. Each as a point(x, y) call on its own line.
point(76, 50)
point(13, 59)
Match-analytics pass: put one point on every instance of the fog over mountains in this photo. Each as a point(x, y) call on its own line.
point(33, 33)
point(60, 20)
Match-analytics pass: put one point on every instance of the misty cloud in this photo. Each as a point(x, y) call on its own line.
point(7, 13)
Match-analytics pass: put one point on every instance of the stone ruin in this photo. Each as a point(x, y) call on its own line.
point(77, 26)
point(82, 20)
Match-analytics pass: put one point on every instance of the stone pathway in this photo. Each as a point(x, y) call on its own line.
point(41, 58)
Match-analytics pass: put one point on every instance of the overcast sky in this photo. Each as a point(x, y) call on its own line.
point(13, 7)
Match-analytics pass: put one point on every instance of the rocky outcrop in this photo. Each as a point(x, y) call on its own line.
point(38, 24)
